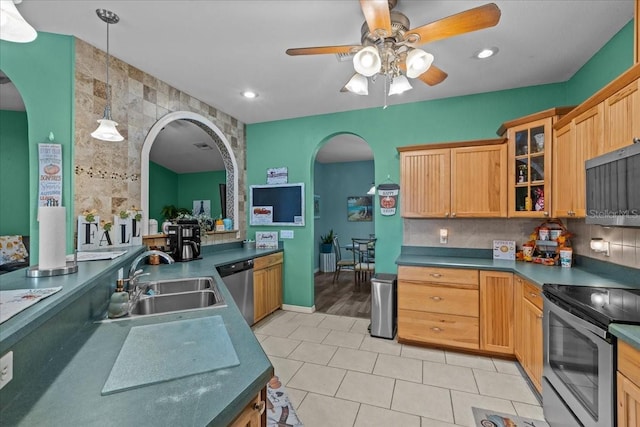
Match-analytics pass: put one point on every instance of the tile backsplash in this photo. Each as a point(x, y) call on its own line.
point(480, 234)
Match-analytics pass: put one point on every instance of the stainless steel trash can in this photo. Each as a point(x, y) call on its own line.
point(384, 308)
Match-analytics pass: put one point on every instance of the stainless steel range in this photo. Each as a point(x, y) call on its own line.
point(579, 353)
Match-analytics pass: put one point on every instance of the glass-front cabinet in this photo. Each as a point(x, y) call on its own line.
point(529, 172)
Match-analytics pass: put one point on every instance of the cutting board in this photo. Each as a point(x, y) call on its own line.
point(155, 353)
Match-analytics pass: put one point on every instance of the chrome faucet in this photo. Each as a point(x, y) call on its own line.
point(135, 274)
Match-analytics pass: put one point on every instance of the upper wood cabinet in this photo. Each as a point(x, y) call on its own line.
point(636, 56)
point(529, 171)
point(466, 179)
point(622, 118)
point(573, 144)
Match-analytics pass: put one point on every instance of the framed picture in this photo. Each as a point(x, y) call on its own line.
point(316, 206)
point(359, 208)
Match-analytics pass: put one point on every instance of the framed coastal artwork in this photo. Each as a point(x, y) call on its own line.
point(359, 208)
point(316, 206)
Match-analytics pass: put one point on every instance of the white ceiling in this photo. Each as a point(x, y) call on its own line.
point(216, 49)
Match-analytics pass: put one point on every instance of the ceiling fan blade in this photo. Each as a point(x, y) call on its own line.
point(432, 76)
point(464, 22)
point(377, 15)
point(320, 50)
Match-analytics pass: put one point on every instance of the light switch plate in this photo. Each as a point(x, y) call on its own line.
point(286, 234)
point(6, 369)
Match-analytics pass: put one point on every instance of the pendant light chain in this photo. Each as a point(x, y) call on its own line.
point(108, 87)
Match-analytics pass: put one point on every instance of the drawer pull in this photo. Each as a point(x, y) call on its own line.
point(437, 298)
point(436, 275)
point(531, 294)
point(259, 406)
point(436, 329)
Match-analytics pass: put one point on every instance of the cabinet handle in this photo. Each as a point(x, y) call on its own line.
point(539, 317)
point(453, 215)
point(436, 275)
point(531, 294)
point(436, 298)
point(546, 214)
point(436, 329)
point(259, 406)
point(446, 214)
point(636, 140)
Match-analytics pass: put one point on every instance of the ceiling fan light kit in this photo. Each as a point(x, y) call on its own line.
point(389, 45)
point(367, 61)
point(358, 84)
point(107, 130)
point(13, 27)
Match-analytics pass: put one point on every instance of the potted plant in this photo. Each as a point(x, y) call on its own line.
point(326, 242)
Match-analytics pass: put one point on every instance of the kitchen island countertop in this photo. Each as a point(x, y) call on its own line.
point(68, 392)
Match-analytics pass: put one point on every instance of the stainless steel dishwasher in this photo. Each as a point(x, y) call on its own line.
point(238, 277)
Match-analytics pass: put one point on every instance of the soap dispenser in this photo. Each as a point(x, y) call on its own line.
point(119, 302)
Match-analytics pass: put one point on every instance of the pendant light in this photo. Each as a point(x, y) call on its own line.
point(107, 130)
point(13, 27)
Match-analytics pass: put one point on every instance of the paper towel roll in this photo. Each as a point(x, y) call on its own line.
point(53, 237)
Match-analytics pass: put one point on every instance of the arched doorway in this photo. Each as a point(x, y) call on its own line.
point(231, 165)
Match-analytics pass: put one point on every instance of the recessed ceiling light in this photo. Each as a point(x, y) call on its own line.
point(486, 53)
point(249, 94)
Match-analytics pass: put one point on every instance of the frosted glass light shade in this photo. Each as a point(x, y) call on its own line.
point(418, 61)
point(107, 131)
point(399, 85)
point(367, 61)
point(13, 26)
point(358, 85)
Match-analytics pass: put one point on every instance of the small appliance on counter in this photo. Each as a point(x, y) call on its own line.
point(184, 240)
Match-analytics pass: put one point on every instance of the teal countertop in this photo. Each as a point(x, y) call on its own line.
point(68, 392)
point(585, 274)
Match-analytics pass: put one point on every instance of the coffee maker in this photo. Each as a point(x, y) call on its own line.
point(184, 240)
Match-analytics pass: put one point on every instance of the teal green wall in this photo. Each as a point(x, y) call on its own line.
point(607, 64)
point(14, 173)
point(169, 188)
point(163, 190)
point(43, 72)
point(201, 186)
point(294, 144)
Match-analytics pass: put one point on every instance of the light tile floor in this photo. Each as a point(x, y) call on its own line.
point(338, 375)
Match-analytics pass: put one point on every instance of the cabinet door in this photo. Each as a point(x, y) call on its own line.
point(274, 288)
point(479, 181)
point(425, 183)
point(589, 130)
point(532, 343)
point(529, 179)
point(260, 289)
point(621, 115)
point(250, 415)
point(496, 312)
point(563, 171)
point(518, 341)
point(628, 402)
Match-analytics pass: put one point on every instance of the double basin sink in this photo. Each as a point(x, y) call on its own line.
point(175, 295)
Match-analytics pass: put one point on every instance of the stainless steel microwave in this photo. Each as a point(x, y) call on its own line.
point(613, 188)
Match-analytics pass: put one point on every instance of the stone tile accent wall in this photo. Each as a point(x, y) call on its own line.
point(480, 233)
point(107, 174)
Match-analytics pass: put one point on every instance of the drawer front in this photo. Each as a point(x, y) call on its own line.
point(532, 293)
point(438, 275)
point(629, 361)
point(441, 329)
point(267, 261)
point(438, 299)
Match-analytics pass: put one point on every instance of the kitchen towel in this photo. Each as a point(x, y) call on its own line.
point(53, 237)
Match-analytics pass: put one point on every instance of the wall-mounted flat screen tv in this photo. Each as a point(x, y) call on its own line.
point(279, 204)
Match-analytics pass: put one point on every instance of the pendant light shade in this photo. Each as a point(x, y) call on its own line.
point(367, 61)
point(13, 26)
point(399, 85)
point(358, 84)
point(372, 190)
point(107, 130)
point(418, 61)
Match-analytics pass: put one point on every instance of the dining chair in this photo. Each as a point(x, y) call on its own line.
point(363, 259)
point(341, 264)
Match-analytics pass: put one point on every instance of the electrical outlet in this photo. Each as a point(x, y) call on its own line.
point(286, 234)
point(6, 369)
point(444, 235)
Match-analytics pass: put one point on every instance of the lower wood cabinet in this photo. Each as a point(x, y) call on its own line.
point(252, 414)
point(267, 285)
point(628, 384)
point(438, 306)
point(496, 312)
point(528, 329)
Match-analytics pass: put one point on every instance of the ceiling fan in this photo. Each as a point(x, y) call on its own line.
point(389, 47)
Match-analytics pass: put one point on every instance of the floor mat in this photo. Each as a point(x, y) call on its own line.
point(490, 418)
point(280, 411)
